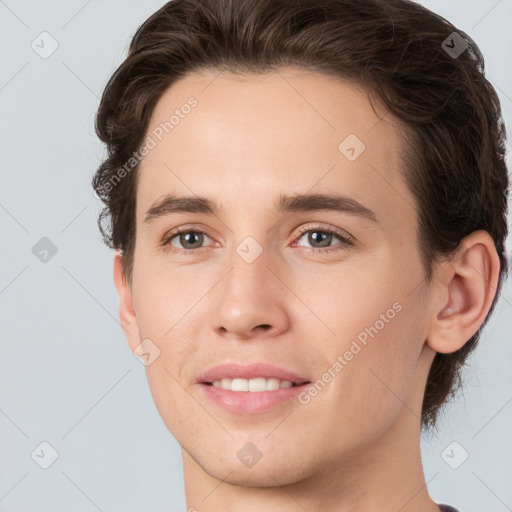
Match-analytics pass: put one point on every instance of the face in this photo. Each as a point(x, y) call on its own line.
point(327, 294)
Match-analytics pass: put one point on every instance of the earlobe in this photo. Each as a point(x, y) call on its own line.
point(127, 314)
point(468, 285)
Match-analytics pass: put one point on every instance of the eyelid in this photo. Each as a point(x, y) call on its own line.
point(340, 233)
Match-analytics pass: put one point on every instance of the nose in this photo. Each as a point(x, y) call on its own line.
point(251, 300)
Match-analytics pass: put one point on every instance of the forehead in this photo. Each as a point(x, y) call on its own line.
point(254, 136)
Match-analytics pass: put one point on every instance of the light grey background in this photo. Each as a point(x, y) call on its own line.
point(67, 376)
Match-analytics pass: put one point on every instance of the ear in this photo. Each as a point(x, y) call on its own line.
point(466, 286)
point(126, 309)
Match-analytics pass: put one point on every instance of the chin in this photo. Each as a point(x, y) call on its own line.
point(270, 471)
point(262, 477)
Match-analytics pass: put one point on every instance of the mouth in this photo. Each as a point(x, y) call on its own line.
point(254, 385)
point(252, 378)
point(253, 388)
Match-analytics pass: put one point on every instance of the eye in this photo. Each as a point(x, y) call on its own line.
point(190, 239)
point(321, 238)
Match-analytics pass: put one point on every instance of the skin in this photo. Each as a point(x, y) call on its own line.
point(354, 446)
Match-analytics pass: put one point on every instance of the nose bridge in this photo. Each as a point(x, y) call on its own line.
point(249, 296)
point(250, 260)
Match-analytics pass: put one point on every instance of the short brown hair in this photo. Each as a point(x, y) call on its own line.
point(396, 49)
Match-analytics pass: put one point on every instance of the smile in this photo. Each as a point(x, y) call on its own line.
point(256, 385)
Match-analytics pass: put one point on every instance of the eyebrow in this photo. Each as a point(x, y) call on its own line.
point(286, 203)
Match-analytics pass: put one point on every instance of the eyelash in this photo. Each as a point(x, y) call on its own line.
point(345, 240)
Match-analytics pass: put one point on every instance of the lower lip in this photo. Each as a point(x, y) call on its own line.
point(252, 402)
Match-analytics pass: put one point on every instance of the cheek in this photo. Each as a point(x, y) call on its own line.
point(166, 298)
point(174, 404)
point(380, 376)
point(380, 334)
point(170, 384)
point(165, 314)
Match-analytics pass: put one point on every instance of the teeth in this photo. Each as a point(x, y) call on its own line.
point(254, 385)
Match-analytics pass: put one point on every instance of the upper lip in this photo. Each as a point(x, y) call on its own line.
point(249, 371)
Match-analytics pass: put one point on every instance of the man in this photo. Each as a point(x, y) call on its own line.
point(308, 205)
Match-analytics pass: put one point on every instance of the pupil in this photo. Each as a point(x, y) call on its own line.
point(325, 237)
point(185, 238)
